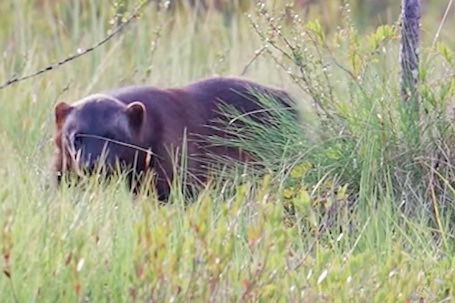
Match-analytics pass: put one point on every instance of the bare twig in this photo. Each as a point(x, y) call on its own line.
point(441, 25)
point(132, 146)
point(117, 30)
point(256, 55)
point(289, 52)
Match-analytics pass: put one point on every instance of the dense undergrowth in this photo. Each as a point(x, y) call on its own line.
point(355, 203)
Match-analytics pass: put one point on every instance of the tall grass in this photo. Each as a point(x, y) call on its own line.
point(355, 203)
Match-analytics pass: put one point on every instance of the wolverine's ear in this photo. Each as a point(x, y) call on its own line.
point(136, 114)
point(62, 110)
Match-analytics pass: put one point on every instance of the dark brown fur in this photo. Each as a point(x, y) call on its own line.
point(169, 115)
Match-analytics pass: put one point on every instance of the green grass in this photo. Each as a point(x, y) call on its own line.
point(356, 204)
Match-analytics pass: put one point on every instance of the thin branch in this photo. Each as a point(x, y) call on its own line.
point(256, 55)
point(132, 146)
point(117, 30)
point(441, 25)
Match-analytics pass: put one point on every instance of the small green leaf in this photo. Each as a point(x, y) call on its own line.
point(445, 52)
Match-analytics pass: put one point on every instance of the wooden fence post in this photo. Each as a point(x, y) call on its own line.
point(410, 43)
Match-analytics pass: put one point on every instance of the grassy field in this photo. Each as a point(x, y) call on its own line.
point(357, 204)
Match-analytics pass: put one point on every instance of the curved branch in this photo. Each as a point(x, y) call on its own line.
point(117, 30)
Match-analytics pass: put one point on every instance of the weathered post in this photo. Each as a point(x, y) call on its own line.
point(410, 42)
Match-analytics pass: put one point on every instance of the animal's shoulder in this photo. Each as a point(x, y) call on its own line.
point(146, 94)
point(214, 84)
